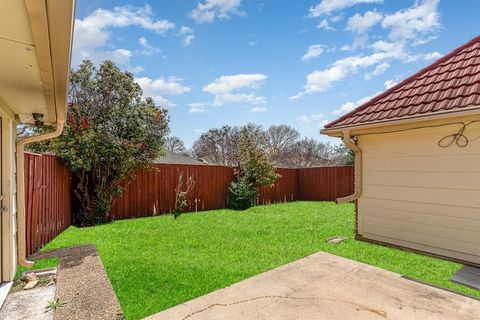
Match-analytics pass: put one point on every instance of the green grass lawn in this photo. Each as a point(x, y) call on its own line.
point(156, 263)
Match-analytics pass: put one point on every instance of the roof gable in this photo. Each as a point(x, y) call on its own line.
point(451, 83)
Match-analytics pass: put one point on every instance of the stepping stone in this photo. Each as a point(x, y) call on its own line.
point(30, 285)
point(468, 276)
point(40, 273)
point(336, 239)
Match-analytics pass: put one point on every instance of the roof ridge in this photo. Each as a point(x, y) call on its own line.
point(405, 81)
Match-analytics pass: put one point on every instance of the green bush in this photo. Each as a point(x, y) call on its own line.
point(241, 194)
point(111, 132)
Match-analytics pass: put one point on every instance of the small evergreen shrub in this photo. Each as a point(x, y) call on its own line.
point(253, 171)
point(241, 194)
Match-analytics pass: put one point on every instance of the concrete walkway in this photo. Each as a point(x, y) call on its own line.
point(83, 285)
point(324, 286)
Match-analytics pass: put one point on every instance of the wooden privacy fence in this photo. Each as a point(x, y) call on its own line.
point(48, 192)
point(327, 183)
point(47, 199)
point(153, 192)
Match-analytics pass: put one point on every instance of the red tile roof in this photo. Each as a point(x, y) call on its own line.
point(451, 83)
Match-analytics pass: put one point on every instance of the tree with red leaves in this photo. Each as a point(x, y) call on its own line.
point(111, 132)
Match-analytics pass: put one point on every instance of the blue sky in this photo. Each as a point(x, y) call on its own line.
point(302, 63)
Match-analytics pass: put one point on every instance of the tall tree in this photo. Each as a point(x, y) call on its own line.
point(221, 145)
point(343, 156)
point(309, 152)
point(281, 145)
point(111, 131)
point(175, 144)
point(218, 146)
point(279, 141)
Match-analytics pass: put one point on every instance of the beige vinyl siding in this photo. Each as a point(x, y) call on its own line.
point(419, 195)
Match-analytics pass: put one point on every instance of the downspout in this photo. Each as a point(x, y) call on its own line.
point(349, 142)
point(21, 216)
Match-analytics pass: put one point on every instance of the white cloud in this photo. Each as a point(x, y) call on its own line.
point(221, 99)
point(196, 107)
point(360, 24)
point(322, 80)
point(328, 6)
point(323, 24)
point(379, 69)
point(148, 49)
point(136, 69)
point(434, 55)
point(119, 56)
point(125, 16)
point(210, 10)
point(323, 123)
point(304, 119)
point(187, 35)
point(309, 118)
point(314, 51)
point(420, 19)
point(226, 84)
point(349, 106)
point(383, 46)
point(169, 87)
point(336, 18)
point(226, 88)
point(158, 88)
point(421, 41)
point(344, 108)
point(92, 33)
point(406, 28)
point(390, 83)
point(259, 109)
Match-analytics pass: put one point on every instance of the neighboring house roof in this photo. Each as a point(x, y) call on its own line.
point(176, 158)
point(450, 84)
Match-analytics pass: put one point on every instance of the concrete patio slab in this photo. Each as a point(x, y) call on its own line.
point(28, 304)
point(324, 286)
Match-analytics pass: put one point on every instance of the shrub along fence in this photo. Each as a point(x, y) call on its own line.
point(153, 192)
point(47, 199)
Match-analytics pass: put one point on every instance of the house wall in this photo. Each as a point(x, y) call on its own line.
point(8, 208)
point(421, 196)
